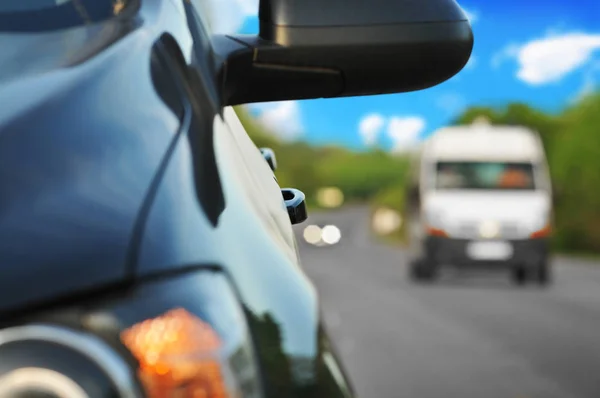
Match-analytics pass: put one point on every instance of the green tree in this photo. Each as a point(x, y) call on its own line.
point(576, 164)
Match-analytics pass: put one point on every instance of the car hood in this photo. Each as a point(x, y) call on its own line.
point(79, 147)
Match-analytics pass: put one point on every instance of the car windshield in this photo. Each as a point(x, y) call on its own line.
point(485, 175)
point(41, 15)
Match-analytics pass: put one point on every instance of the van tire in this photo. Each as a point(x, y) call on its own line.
point(422, 271)
point(519, 275)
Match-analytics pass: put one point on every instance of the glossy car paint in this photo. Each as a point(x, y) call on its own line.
point(79, 148)
point(119, 166)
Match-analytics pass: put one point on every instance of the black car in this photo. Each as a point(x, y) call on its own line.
point(146, 247)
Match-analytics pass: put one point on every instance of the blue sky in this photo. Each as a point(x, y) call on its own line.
point(545, 53)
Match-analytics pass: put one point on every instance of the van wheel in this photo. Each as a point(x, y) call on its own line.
point(422, 271)
point(519, 275)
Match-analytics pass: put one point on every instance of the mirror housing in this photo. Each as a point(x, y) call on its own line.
point(332, 48)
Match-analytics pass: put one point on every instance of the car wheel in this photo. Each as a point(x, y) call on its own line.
point(519, 275)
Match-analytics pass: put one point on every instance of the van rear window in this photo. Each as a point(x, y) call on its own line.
point(485, 175)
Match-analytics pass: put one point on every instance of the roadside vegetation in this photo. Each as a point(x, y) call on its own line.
point(571, 139)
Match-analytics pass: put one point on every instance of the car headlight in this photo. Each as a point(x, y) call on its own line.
point(489, 229)
point(182, 337)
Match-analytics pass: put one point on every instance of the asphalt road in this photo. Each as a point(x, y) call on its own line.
point(464, 337)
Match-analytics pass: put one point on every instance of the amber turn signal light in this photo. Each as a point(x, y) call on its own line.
point(177, 354)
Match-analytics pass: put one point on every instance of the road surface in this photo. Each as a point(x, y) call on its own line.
point(460, 338)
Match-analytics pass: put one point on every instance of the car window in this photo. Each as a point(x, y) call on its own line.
point(42, 15)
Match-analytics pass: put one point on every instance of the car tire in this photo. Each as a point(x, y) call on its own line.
point(519, 275)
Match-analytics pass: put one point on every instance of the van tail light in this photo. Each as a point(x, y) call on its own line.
point(179, 357)
point(542, 233)
point(436, 232)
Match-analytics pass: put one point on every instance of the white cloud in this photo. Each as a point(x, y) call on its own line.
point(228, 16)
point(369, 128)
point(549, 59)
point(473, 16)
point(405, 132)
point(282, 118)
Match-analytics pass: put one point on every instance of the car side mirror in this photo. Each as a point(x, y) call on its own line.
point(295, 203)
point(269, 156)
point(332, 48)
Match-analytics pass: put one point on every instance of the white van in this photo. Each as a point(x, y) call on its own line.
point(481, 198)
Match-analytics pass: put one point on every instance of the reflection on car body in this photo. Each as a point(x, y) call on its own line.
point(147, 248)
